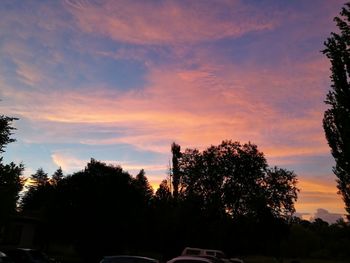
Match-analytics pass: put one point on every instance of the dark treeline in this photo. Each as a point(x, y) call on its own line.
point(225, 197)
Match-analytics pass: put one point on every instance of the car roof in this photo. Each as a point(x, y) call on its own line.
point(200, 258)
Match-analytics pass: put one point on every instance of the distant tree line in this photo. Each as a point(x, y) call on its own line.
point(224, 197)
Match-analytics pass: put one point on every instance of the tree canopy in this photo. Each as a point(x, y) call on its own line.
point(235, 179)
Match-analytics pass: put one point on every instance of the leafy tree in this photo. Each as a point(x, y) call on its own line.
point(282, 191)
point(235, 179)
point(336, 121)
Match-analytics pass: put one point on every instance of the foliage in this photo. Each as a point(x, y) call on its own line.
point(163, 192)
point(142, 186)
point(11, 181)
point(336, 121)
point(235, 179)
point(37, 194)
point(6, 131)
point(57, 176)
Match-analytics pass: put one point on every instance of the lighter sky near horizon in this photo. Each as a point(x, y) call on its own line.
point(119, 81)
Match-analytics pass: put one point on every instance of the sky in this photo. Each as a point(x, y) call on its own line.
point(119, 81)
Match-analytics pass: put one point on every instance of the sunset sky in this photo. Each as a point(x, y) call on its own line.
point(119, 81)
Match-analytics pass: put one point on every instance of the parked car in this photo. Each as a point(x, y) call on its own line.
point(236, 260)
point(192, 259)
point(28, 255)
point(128, 259)
point(4, 258)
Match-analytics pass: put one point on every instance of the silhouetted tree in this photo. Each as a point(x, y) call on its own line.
point(6, 131)
point(37, 197)
point(39, 178)
point(142, 186)
point(163, 192)
point(235, 179)
point(336, 121)
point(11, 181)
point(57, 176)
point(102, 209)
point(281, 190)
point(176, 152)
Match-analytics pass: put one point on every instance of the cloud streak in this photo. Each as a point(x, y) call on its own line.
point(168, 22)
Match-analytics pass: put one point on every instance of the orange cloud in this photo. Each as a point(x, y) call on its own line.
point(316, 194)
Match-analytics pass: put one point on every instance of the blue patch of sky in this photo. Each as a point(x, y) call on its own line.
point(122, 74)
point(36, 155)
point(7, 71)
point(307, 166)
point(32, 156)
point(95, 63)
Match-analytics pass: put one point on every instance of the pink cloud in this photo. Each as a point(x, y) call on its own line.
point(169, 21)
point(195, 107)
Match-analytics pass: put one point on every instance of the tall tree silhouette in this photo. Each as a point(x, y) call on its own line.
point(176, 152)
point(336, 121)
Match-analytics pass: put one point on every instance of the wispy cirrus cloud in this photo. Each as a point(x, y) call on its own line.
point(169, 22)
point(196, 107)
